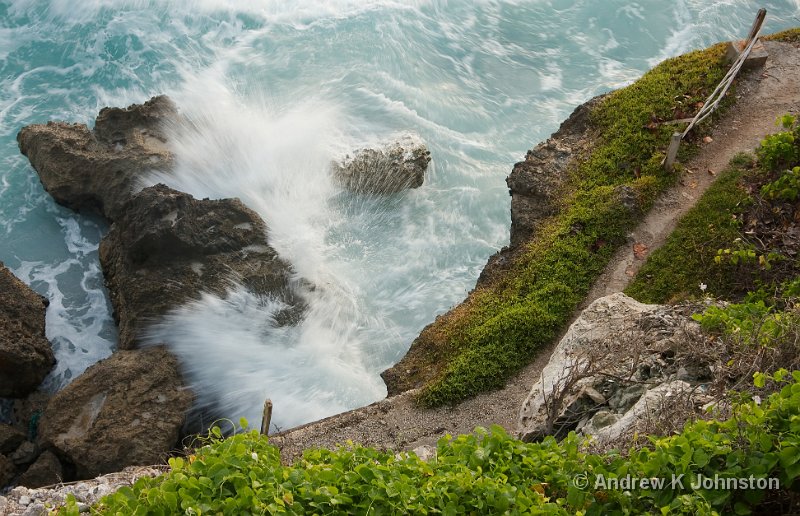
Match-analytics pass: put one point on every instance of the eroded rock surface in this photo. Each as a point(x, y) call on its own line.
point(620, 362)
point(398, 166)
point(99, 169)
point(166, 248)
point(127, 409)
point(25, 353)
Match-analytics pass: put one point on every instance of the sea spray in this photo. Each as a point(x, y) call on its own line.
point(275, 90)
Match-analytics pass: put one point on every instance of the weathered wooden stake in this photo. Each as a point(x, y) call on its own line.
point(672, 152)
point(266, 417)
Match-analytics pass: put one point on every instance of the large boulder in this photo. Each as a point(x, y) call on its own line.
point(99, 169)
point(25, 353)
point(166, 248)
point(125, 410)
point(619, 363)
point(395, 167)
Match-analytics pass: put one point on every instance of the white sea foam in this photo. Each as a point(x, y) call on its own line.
point(275, 90)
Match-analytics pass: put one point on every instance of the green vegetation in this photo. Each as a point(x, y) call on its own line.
point(688, 258)
point(490, 472)
point(787, 36)
point(734, 240)
point(500, 326)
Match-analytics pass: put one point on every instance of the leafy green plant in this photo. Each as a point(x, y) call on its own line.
point(489, 472)
point(781, 149)
point(746, 254)
point(786, 187)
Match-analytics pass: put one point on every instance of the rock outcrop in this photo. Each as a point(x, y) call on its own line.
point(99, 169)
point(127, 409)
point(25, 353)
point(534, 186)
point(393, 168)
point(166, 248)
point(621, 362)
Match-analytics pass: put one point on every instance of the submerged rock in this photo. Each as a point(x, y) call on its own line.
point(125, 410)
point(398, 166)
point(25, 353)
point(99, 169)
point(614, 367)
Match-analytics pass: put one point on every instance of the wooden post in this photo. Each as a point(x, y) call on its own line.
point(672, 152)
point(759, 21)
point(266, 417)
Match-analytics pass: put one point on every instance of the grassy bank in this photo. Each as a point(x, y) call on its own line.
point(501, 325)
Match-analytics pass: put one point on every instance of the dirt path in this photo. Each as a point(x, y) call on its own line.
point(762, 96)
point(397, 423)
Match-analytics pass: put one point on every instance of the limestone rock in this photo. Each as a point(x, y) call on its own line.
point(99, 169)
point(25, 353)
point(398, 166)
point(615, 360)
point(45, 471)
point(125, 410)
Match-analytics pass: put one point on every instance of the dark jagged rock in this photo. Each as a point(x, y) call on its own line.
point(99, 169)
point(534, 185)
point(397, 166)
point(164, 247)
point(125, 410)
point(7, 470)
point(46, 471)
point(10, 438)
point(167, 247)
point(25, 353)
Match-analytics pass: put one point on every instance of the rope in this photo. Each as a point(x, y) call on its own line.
point(722, 88)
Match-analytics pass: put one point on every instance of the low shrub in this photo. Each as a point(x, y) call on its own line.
point(490, 472)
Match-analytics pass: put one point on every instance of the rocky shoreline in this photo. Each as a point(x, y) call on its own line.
point(164, 248)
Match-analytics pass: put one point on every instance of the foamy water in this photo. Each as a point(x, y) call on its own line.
point(275, 91)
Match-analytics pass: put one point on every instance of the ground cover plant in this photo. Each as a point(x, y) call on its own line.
point(490, 472)
point(501, 325)
point(742, 238)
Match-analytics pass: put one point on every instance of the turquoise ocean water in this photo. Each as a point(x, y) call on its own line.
point(279, 88)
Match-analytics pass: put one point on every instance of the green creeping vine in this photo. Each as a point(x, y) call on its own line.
point(489, 472)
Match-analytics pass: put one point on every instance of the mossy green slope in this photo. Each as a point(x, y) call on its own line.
point(676, 270)
point(501, 325)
